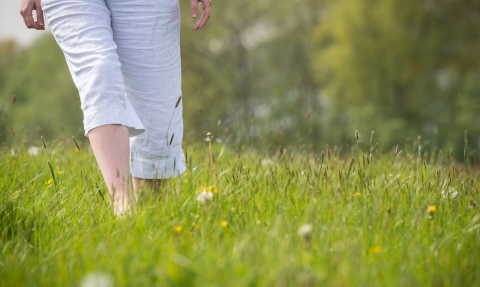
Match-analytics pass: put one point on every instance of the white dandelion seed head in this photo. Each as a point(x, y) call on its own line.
point(97, 280)
point(33, 150)
point(448, 191)
point(267, 162)
point(305, 229)
point(204, 196)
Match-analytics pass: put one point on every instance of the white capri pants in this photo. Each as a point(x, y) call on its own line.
point(124, 58)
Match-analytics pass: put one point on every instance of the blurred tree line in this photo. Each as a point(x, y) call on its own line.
point(304, 73)
point(403, 68)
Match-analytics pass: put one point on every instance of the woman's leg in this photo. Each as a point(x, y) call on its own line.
point(147, 35)
point(110, 144)
point(82, 28)
point(152, 185)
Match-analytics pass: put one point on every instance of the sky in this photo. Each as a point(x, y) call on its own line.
point(12, 26)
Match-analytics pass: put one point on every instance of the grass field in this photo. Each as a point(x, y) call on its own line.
point(293, 218)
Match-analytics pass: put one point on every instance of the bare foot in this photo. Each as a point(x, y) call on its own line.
point(121, 206)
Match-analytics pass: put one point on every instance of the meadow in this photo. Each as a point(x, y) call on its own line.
point(293, 217)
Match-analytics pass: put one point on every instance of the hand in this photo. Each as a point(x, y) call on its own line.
point(206, 4)
point(27, 13)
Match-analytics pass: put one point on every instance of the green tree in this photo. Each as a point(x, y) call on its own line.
point(47, 101)
point(252, 66)
point(401, 67)
point(8, 52)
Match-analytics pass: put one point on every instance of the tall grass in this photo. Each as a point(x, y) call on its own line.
point(293, 218)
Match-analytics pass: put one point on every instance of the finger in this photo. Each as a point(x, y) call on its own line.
point(24, 12)
point(205, 16)
point(23, 16)
point(204, 19)
point(194, 4)
point(39, 10)
point(29, 20)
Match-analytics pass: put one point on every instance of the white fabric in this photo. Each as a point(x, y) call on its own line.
point(124, 57)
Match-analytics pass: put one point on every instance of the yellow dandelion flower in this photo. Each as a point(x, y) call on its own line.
point(224, 223)
point(49, 181)
point(431, 209)
point(202, 189)
point(376, 250)
point(178, 229)
point(212, 189)
point(77, 149)
point(59, 172)
point(356, 194)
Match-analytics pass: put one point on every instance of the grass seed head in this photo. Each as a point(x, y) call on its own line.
point(178, 101)
point(44, 144)
point(77, 147)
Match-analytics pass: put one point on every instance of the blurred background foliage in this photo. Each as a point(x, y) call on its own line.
point(296, 73)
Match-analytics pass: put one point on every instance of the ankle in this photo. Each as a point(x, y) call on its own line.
point(121, 205)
